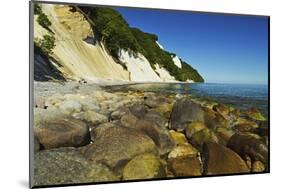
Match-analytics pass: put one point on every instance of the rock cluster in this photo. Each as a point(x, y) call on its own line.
point(94, 136)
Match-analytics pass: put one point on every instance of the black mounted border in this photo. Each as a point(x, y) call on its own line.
point(31, 80)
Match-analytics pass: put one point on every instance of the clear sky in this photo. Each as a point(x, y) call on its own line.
point(223, 48)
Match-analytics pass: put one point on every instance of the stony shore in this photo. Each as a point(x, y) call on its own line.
point(83, 133)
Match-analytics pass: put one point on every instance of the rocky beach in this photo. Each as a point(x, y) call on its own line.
point(86, 133)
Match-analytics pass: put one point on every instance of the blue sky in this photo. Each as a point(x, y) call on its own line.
point(223, 48)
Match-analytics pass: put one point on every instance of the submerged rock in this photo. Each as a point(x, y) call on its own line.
point(92, 117)
point(62, 132)
point(114, 146)
point(221, 160)
point(185, 111)
point(144, 166)
point(67, 166)
point(258, 166)
point(138, 110)
point(249, 144)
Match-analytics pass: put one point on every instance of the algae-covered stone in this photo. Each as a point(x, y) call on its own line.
point(255, 114)
point(90, 116)
point(204, 135)
point(144, 166)
point(224, 134)
point(183, 150)
point(115, 145)
point(178, 137)
point(193, 128)
point(165, 110)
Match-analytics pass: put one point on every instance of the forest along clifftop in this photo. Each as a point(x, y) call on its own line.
point(97, 44)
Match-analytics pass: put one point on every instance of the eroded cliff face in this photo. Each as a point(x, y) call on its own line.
point(76, 50)
point(79, 55)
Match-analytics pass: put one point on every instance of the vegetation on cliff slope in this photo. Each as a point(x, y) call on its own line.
point(116, 34)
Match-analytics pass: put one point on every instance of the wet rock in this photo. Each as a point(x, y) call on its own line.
point(258, 166)
point(67, 166)
point(116, 145)
point(193, 128)
point(90, 116)
point(249, 144)
point(202, 136)
point(144, 166)
point(158, 134)
point(221, 160)
point(262, 130)
point(62, 132)
point(185, 111)
point(138, 110)
point(214, 120)
point(178, 137)
point(255, 114)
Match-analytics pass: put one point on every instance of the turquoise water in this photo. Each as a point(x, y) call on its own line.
point(241, 96)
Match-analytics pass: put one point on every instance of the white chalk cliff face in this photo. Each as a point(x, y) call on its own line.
point(78, 58)
point(77, 55)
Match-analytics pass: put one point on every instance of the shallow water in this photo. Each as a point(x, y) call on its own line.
point(241, 96)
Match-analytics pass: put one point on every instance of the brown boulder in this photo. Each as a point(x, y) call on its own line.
point(221, 160)
point(62, 132)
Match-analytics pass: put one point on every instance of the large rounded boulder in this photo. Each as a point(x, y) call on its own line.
point(249, 144)
point(62, 132)
point(221, 160)
point(144, 166)
point(114, 146)
point(185, 111)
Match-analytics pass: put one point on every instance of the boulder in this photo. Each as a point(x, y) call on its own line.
point(144, 166)
point(70, 106)
point(249, 144)
point(183, 150)
point(67, 166)
point(62, 132)
point(204, 135)
point(193, 128)
point(157, 118)
point(178, 137)
point(221, 160)
point(224, 134)
point(164, 109)
point(114, 146)
point(158, 134)
point(185, 111)
point(185, 166)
